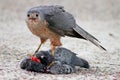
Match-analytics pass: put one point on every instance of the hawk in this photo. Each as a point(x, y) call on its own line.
point(53, 22)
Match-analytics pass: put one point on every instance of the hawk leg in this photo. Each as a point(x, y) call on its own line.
point(54, 43)
point(42, 42)
point(53, 50)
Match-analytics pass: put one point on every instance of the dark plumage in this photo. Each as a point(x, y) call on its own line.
point(64, 62)
point(64, 56)
point(30, 65)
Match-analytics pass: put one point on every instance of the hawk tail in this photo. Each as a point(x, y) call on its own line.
point(88, 36)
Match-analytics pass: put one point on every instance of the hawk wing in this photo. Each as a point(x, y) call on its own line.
point(62, 23)
point(59, 20)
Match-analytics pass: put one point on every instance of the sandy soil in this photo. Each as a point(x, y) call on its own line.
point(16, 41)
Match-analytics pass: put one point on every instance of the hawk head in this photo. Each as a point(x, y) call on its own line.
point(35, 17)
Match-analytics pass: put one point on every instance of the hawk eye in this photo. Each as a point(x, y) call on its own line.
point(28, 15)
point(36, 15)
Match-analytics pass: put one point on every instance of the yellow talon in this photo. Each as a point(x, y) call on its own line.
point(53, 53)
point(30, 54)
point(51, 64)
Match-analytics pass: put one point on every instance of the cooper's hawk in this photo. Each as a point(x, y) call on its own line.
point(53, 22)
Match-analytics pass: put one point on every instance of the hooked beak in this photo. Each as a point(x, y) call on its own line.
point(33, 19)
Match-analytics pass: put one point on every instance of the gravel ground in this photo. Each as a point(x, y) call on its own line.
point(16, 41)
